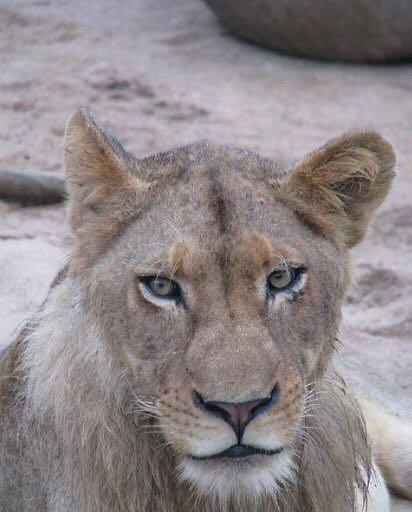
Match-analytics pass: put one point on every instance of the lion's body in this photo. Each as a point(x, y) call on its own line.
point(97, 393)
point(388, 414)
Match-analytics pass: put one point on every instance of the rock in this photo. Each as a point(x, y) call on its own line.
point(354, 30)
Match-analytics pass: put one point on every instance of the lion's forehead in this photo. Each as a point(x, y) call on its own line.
point(221, 211)
point(211, 185)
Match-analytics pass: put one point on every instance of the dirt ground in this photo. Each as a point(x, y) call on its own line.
point(162, 73)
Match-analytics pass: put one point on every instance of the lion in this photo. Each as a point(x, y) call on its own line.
point(184, 358)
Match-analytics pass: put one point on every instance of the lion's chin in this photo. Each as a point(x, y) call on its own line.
point(243, 479)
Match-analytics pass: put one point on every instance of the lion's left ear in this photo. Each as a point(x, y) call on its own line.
point(339, 186)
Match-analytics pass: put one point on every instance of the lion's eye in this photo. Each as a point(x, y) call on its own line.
point(282, 279)
point(162, 287)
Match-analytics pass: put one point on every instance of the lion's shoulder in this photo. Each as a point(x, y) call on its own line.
point(11, 375)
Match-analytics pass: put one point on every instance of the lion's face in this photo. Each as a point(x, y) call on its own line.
point(222, 298)
point(223, 302)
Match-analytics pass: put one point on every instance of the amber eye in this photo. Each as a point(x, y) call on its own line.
point(282, 279)
point(162, 287)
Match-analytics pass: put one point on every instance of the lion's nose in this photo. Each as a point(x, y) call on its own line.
point(238, 415)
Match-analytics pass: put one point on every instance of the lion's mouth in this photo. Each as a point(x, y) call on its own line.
point(237, 451)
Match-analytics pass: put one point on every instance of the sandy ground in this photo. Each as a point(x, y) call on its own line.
point(163, 73)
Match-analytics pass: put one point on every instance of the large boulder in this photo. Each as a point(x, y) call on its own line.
point(347, 30)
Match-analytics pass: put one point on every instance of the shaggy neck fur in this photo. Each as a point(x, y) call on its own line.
point(120, 462)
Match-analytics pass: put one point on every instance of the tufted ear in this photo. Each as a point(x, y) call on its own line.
point(102, 181)
point(338, 187)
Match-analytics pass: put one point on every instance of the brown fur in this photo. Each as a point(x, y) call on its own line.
point(97, 410)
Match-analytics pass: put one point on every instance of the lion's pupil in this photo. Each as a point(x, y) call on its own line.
point(161, 286)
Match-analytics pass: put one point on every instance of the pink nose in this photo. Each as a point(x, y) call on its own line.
point(238, 415)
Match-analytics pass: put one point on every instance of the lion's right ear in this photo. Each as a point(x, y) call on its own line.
point(102, 181)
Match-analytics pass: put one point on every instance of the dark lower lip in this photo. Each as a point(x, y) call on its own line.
point(237, 451)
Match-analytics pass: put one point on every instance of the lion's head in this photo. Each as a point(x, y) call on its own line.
point(217, 279)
